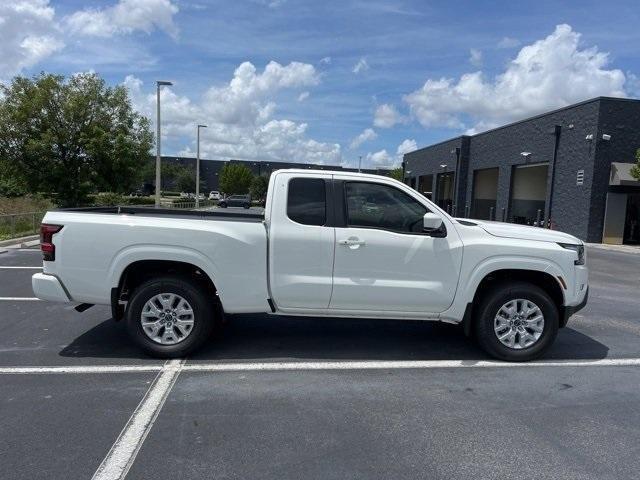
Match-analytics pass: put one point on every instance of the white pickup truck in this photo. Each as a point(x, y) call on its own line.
point(329, 244)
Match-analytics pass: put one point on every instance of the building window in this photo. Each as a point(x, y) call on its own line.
point(485, 194)
point(528, 193)
point(444, 192)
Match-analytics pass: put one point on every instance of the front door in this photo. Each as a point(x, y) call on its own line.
point(384, 261)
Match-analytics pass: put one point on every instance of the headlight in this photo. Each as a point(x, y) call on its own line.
point(579, 249)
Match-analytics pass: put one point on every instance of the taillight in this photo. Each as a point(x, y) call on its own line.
point(46, 241)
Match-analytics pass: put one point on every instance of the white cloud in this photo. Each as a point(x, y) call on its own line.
point(382, 158)
point(239, 115)
point(125, 17)
point(28, 34)
point(550, 73)
point(475, 57)
point(386, 116)
point(633, 85)
point(325, 61)
point(361, 66)
point(508, 42)
point(366, 135)
point(407, 145)
point(303, 96)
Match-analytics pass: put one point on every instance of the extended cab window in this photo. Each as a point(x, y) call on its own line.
point(374, 205)
point(307, 201)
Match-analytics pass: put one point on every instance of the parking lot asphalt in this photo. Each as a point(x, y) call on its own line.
point(431, 419)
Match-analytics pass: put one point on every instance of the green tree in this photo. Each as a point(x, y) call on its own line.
point(635, 170)
point(235, 179)
point(259, 187)
point(71, 136)
point(396, 173)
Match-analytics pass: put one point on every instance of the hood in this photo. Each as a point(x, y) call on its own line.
point(523, 232)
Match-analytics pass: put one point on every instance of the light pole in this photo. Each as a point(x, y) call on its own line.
point(198, 165)
point(359, 163)
point(159, 83)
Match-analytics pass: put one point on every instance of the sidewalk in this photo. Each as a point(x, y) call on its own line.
point(616, 248)
point(20, 242)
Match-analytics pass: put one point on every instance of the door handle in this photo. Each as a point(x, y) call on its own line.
point(352, 242)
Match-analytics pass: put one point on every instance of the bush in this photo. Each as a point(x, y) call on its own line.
point(140, 200)
point(108, 199)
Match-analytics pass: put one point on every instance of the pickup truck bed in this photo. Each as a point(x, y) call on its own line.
point(217, 214)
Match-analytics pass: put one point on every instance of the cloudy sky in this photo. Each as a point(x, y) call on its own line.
point(331, 81)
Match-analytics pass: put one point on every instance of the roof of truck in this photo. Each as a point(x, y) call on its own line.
point(331, 172)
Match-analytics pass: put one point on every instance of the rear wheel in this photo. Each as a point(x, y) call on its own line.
point(516, 322)
point(170, 316)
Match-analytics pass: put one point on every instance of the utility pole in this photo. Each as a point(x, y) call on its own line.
point(159, 83)
point(198, 164)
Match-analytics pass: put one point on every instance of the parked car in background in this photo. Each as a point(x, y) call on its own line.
point(327, 245)
point(215, 195)
point(235, 201)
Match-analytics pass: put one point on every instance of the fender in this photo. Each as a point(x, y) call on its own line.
point(135, 253)
point(467, 290)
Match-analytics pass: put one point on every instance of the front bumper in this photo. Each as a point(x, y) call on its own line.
point(571, 309)
point(49, 287)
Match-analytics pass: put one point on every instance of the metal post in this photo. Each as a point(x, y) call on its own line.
point(159, 83)
point(198, 165)
point(504, 214)
point(538, 218)
point(491, 210)
point(467, 211)
point(359, 163)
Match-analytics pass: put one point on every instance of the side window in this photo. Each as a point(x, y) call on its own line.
point(381, 206)
point(307, 201)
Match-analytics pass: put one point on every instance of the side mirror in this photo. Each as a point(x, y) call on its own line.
point(432, 225)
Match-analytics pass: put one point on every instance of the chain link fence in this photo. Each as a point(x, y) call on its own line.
point(16, 225)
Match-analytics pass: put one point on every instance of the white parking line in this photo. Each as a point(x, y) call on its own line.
point(78, 369)
point(20, 299)
point(400, 364)
point(123, 452)
point(5, 267)
point(338, 365)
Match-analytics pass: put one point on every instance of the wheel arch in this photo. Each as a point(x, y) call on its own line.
point(139, 271)
point(543, 279)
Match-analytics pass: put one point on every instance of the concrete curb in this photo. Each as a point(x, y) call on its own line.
point(21, 242)
point(615, 248)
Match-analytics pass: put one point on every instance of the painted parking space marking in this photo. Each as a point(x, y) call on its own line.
point(338, 365)
point(123, 452)
point(5, 267)
point(20, 299)
point(79, 369)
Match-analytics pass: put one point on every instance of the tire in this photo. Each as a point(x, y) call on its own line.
point(222, 205)
point(202, 315)
point(491, 317)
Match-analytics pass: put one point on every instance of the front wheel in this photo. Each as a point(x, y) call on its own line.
point(516, 321)
point(170, 316)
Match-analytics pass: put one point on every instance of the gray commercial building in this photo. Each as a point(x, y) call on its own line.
point(568, 169)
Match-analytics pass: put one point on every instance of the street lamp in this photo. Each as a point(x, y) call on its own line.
point(159, 83)
point(198, 165)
